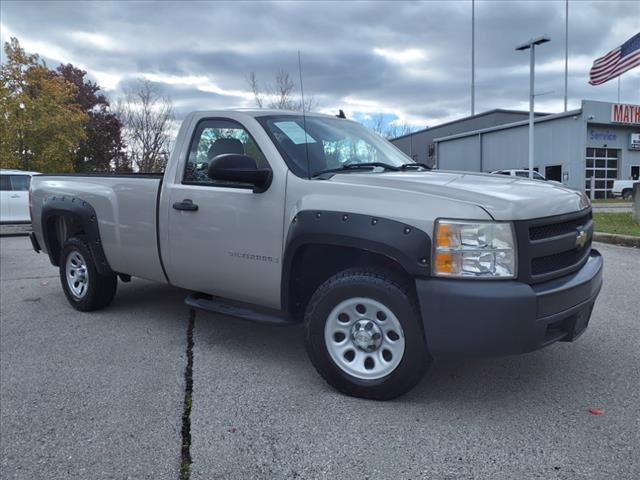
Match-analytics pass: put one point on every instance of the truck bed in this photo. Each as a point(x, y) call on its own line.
point(126, 209)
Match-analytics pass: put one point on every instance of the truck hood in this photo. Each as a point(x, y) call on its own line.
point(503, 197)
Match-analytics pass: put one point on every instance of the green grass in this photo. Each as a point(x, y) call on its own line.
point(620, 223)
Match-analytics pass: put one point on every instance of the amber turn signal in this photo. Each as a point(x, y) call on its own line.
point(444, 262)
point(443, 235)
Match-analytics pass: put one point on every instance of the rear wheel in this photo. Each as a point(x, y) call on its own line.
point(627, 194)
point(364, 335)
point(84, 287)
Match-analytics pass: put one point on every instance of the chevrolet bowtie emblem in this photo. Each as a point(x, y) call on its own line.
point(581, 239)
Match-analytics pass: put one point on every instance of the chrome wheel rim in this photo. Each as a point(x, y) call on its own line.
point(77, 276)
point(364, 338)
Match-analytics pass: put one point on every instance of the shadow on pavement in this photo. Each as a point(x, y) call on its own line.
point(280, 351)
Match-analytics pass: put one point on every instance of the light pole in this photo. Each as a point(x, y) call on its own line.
point(566, 52)
point(473, 57)
point(531, 45)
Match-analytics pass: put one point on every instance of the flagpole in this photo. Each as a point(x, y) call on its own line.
point(566, 51)
point(619, 87)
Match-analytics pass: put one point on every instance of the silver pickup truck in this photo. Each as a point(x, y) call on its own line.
point(276, 217)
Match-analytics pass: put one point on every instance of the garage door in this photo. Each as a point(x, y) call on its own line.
point(601, 164)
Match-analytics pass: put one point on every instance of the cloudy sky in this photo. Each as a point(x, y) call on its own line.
point(408, 60)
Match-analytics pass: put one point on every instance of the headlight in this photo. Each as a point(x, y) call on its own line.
point(474, 249)
point(584, 200)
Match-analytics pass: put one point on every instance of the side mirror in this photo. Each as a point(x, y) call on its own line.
point(235, 167)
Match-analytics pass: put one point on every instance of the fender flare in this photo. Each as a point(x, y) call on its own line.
point(410, 247)
point(84, 215)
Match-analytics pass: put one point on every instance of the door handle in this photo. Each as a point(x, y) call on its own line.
point(15, 196)
point(187, 204)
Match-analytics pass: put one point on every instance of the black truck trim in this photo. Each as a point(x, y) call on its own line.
point(85, 216)
point(467, 319)
point(549, 248)
point(158, 243)
point(408, 246)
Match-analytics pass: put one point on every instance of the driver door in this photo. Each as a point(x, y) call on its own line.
point(229, 243)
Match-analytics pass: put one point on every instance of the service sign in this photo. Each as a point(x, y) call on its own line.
point(625, 113)
point(634, 141)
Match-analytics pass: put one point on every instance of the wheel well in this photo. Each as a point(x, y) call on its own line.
point(58, 229)
point(313, 264)
point(627, 190)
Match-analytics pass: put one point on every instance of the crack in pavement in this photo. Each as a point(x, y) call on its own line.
point(185, 463)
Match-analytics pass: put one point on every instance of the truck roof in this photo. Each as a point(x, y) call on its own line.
point(9, 171)
point(263, 112)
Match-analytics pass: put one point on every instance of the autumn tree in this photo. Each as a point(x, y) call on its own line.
point(147, 117)
point(41, 123)
point(103, 148)
point(281, 94)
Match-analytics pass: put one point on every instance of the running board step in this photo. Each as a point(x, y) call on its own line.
point(243, 311)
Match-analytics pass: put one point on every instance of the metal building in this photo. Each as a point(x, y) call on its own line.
point(421, 147)
point(600, 140)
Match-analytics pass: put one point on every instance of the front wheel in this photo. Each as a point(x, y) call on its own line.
point(627, 194)
point(84, 287)
point(364, 335)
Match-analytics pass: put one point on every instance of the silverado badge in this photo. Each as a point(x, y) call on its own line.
point(581, 239)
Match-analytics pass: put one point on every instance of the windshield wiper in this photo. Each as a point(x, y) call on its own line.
point(357, 166)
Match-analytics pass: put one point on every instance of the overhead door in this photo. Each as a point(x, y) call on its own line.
point(601, 165)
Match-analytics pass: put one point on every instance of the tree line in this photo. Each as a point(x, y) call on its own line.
point(58, 121)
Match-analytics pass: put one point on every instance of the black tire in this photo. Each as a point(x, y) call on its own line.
point(100, 289)
point(400, 299)
point(627, 194)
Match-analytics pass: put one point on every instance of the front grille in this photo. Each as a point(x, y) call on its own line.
point(548, 247)
point(557, 261)
point(555, 229)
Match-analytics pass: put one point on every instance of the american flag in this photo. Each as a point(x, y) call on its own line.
point(616, 62)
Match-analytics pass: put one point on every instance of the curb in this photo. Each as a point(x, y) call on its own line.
point(613, 206)
point(623, 240)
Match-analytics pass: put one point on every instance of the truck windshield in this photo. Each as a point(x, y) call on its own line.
point(330, 144)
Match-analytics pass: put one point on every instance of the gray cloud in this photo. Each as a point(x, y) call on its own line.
point(406, 59)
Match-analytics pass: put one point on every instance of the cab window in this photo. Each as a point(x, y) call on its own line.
point(20, 183)
point(5, 183)
point(217, 137)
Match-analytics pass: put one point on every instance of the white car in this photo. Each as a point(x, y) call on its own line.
point(14, 196)
point(623, 188)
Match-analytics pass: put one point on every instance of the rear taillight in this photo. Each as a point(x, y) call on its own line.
point(30, 205)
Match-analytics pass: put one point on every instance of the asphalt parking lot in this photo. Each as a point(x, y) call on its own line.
point(101, 395)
